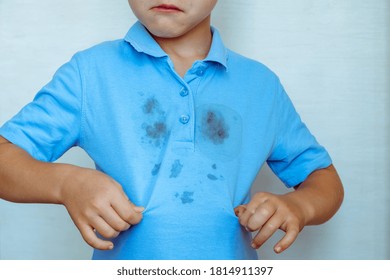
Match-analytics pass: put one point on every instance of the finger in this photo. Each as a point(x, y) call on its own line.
point(104, 228)
point(239, 210)
point(288, 239)
point(128, 211)
point(245, 215)
point(250, 209)
point(90, 237)
point(262, 214)
point(266, 231)
point(114, 220)
point(136, 208)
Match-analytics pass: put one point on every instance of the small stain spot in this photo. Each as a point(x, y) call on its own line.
point(156, 131)
point(176, 169)
point(156, 169)
point(212, 177)
point(214, 127)
point(187, 197)
point(176, 195)
point(150, 106)
point(214, 166)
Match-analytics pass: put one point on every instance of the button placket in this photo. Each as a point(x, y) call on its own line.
point(184, 118)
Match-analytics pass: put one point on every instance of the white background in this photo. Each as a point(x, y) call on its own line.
point(333, 58)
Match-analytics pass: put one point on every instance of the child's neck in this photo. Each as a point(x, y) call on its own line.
point(186, 49)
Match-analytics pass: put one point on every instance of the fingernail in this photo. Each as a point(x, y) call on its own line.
point(139, 209)
point(110, 247)
point(253, 245)
point(278, 249)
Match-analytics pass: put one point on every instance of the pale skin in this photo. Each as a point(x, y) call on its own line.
point(97, 203)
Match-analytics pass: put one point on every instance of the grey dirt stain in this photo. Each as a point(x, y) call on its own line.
point(214, 127)
point(176, 169)
point(156, 130)
point(155, 125)
point(151, 106)
point(212, 177)
point(187, 197)
point(156, 169)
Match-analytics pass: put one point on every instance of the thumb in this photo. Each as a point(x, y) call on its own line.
point(239, 210)
point(137, 209)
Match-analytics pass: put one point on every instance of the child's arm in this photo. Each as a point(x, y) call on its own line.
point(315, 201)
point(93, 200)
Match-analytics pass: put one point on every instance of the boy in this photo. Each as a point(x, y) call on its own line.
point(178, 127)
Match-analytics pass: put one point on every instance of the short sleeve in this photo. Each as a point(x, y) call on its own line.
point(50, 125)
point(296, 153)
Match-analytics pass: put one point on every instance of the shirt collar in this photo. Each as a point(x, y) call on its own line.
point(142, 41)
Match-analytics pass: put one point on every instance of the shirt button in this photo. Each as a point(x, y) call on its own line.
point(184, 92)
point(200, 72)
point(184, 119)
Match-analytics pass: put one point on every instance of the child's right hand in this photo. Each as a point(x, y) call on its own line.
point(97, 203)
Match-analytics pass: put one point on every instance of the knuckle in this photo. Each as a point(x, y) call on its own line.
point(125, 227)
point(121, 226)
point(93, 243)
point(241, 221)
point(90, 214)
point(271, 227)
point(135, 218)
point(251, 227)
point(259, 240)
point(294, 223)
point(294, 230)
point(264, 212)
point(110, 233)
point(90, 239)
point(128, 218)
point(97, 204)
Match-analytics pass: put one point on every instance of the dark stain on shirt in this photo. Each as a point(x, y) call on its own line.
point(187, 197)
point(212, 177)
point(176, 169)
point(214, 166)
point(156, 169)
point(155, 124)
point(214, 127)
point(151, 106)
point(156, 130)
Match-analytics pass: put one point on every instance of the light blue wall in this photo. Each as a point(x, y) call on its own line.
point(332, 56)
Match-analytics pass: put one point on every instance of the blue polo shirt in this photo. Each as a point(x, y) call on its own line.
point(187, 149)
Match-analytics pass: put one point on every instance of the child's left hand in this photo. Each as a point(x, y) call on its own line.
point(266, 213)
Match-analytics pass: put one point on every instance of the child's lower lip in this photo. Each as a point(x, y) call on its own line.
point(167, 9)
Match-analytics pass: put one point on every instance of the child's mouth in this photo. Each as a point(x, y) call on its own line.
point(167, 8)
